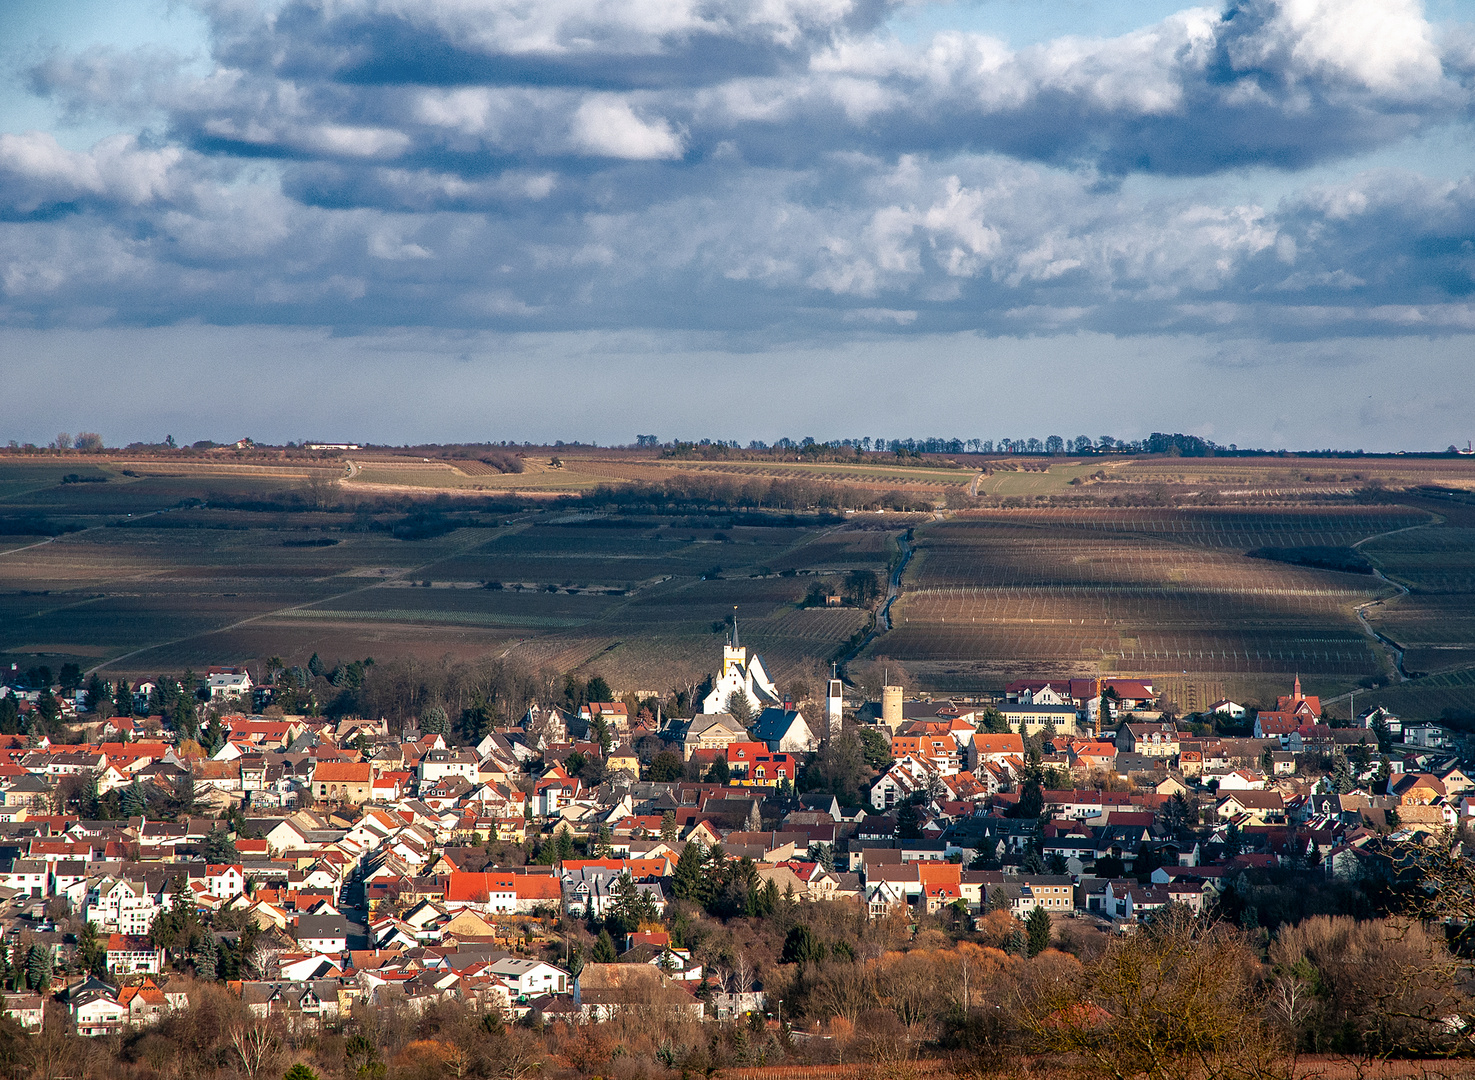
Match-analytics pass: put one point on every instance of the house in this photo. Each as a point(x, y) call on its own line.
point(1156, 740)
point(1224, 707)
point(116, 905)
point(502, 892)
point(439, 764)
point(528, 978)
point(147, 1004)
point(984, 747)
point(1258, 806)
point(225, 880)
point(601, 991)
point(129, 955)
point(228, 681)
point(711, 731)
point(96, 1010)
point(1029, 719)
point(785, 730)
point(1242, 780)
point(322, 933)
point(344, 781)
point(28, 1010)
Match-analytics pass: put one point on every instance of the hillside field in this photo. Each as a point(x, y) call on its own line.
point(141, 564)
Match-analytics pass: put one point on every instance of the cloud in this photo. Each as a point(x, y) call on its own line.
point(750, 166)
point(36, 173)
point(608, 126)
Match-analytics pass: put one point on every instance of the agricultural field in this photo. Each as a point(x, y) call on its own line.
point(188, 566)
point(1170, 593)
point(1026, 566)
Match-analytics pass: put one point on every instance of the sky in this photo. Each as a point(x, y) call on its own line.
point(454, 220)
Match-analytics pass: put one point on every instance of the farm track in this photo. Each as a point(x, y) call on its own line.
point(1395, 650)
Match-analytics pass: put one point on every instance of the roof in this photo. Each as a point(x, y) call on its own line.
point(469, 888)
point(343, 772)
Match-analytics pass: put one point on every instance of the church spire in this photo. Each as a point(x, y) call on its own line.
point(734, 627)
point(1298, 686)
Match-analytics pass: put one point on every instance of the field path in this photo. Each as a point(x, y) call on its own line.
point(79, 532)
point(1394, 649)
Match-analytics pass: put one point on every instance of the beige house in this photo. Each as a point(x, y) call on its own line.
point(712, 731)
point(343, 781)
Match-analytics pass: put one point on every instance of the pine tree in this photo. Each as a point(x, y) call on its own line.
point(668, 826)
point(1039, 930)
point(38, 968)
point(687, 882)
point(565, 845)
point(433, 721)
point(220, 848)
point(604, 949)
point(122, 698)
point(134, 802)
point(207, 958)
point(299, 1072)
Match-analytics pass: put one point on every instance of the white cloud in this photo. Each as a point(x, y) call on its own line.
point(36, 171)
point(607, 126)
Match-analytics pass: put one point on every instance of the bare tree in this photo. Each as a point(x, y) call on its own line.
point(254, 1044)
point(1176, 998)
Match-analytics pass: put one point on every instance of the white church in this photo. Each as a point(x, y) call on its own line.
point(741, 674)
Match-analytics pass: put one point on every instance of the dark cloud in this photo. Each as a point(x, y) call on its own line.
point(778, 167)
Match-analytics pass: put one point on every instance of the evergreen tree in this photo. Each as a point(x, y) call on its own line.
point(38, 968)
point(604, 949)
point(98, 697)
point(220, 848)
point(10, 721)
point(602, 843)
point(434, 721)
point(1038, 926)
point(686, 884)
point(668, 826)
point(122, 698)
point(315, 666)
point(207, 958)
point(802, 947)
point(300, 1072)
point(92, 954)
point(185, 719)
point(212, 738)
point(909, 822)
point(739, 707)
point(565, 845)
point(719, 772)
point(47, 711)
point(134, 802)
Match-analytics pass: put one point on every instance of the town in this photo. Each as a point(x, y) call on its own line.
point(602, 854)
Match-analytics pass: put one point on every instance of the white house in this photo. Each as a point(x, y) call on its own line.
point(528, 978)
point(439, 764)
point(118, 906)
point(322, 933)
point(228, 681)
point(785, 730)
point(225, 880)
point(1224, 707)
